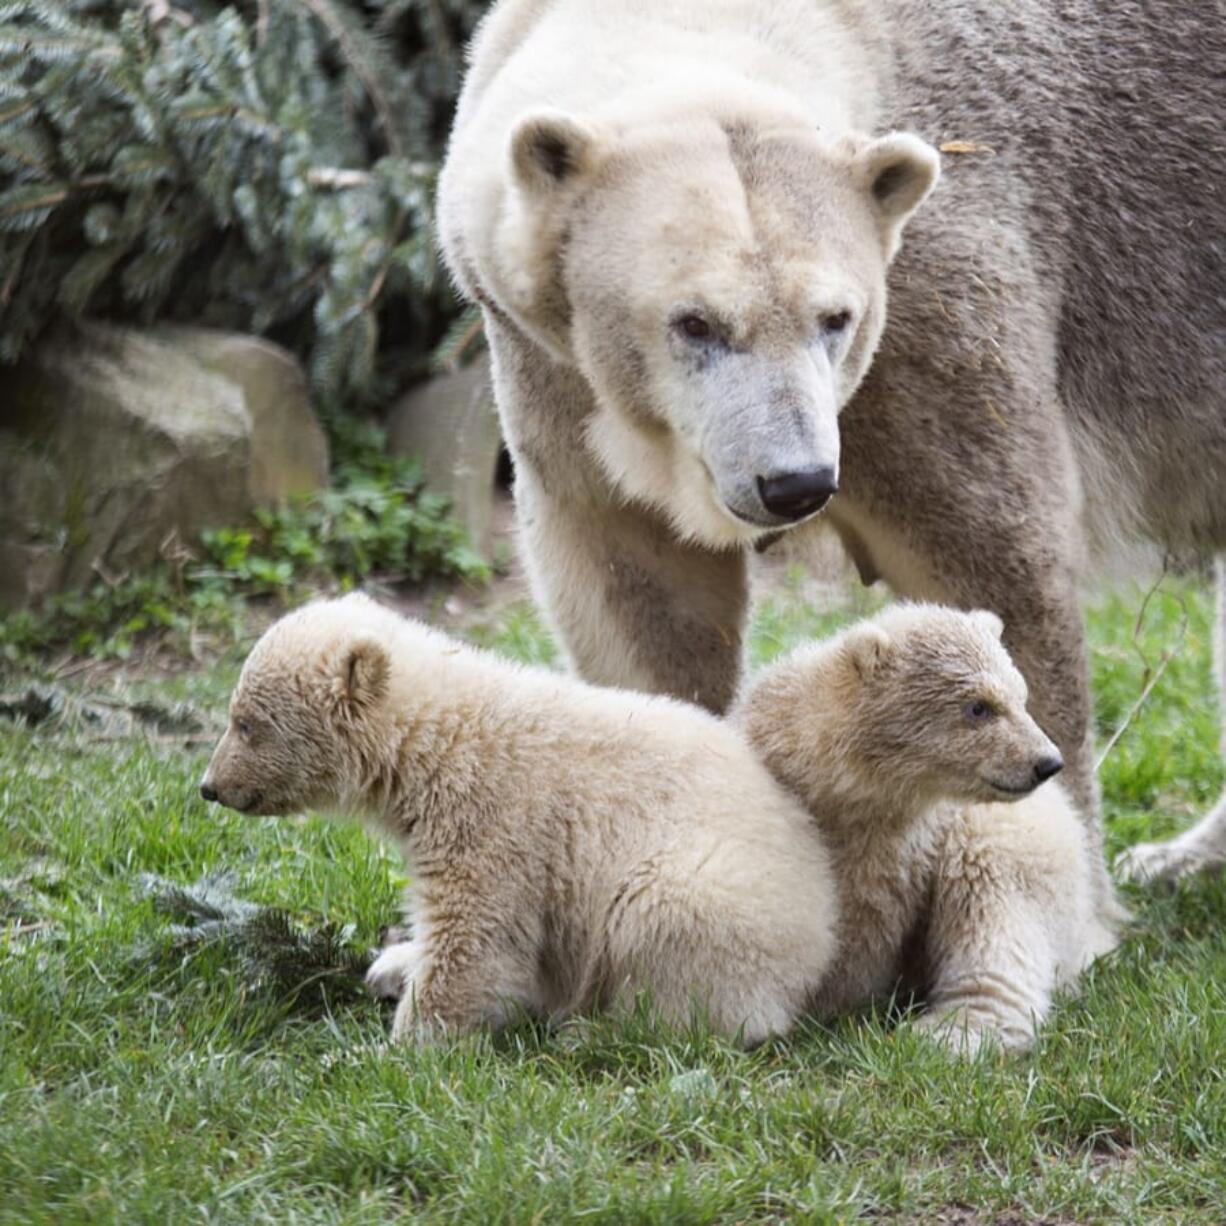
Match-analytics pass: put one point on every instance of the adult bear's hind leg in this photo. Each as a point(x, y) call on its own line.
point(1203, 846)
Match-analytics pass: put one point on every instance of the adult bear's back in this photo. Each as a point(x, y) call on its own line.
point(1103, 201)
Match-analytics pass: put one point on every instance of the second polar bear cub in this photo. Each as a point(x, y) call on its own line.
point(568, 846)
point(963, 869)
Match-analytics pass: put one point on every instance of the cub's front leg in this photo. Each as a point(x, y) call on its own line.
point(1013, 919)
point(459, 974)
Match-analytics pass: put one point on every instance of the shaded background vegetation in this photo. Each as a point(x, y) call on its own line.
point(266, 167)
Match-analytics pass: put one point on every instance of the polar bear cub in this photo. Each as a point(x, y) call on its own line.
point(963, 868)
point(568, 846)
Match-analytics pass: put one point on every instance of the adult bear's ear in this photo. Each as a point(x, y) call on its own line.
point(898, 171)
point(362, 674)
point(867, 648)
point(549, 148)
point(550, 155)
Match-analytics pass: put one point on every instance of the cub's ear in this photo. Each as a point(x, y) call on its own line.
point(867, 648)
point(898, 171)
point(985, 619)
point(362, 676)
point(549, 148)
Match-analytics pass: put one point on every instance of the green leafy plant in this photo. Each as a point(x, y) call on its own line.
point(108, 620)
point(377, 519)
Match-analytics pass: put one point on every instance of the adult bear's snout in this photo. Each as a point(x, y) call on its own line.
point(794, 495)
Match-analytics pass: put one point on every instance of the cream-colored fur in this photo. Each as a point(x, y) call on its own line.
point(960, 872)
point(568, 846)
point(712, 160)
point(1047, 385)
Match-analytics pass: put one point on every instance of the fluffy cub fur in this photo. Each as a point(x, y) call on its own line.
point(568, 846)
point(907, 738)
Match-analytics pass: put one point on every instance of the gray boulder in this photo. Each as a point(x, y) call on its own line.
point(114, 441)
point(451, 425)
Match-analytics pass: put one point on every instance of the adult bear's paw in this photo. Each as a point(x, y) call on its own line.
point(1179, 857)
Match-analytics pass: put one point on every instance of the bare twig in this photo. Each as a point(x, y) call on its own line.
point(111, 580)
point(336, 178)
point(1154, 673)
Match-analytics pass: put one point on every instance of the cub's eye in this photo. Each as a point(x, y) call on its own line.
point(695, 328)
point(979, 712)
point(244, 728)
point(836, 324)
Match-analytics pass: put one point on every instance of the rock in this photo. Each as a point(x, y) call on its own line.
point(451, 426)
point(114, 440)
point(289, 451)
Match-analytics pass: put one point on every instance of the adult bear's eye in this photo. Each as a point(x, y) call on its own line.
point(695, 327)
point(244, 728)
point(979, 711)
point(834, 325)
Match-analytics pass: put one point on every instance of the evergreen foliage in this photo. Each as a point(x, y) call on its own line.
point(266, 166)
point(307, 966)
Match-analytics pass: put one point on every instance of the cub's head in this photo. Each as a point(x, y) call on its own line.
point(305, 714)
point(721, 286)
point(936, 703)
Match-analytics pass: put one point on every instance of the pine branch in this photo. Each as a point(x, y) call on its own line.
point(307, 965)
point(211, 163)
point(361, 52)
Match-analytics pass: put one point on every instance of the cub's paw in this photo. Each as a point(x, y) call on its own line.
point(392, 970)
point(416, 1026)
point(964, 1034)
point(1164, 861)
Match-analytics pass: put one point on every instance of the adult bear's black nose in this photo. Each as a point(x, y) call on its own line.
point(795, 495)
point(1046, 767)
point(209, 793)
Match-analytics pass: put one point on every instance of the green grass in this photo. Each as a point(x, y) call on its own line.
point(141, 1087)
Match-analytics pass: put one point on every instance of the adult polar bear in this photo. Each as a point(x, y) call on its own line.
point(677, 216)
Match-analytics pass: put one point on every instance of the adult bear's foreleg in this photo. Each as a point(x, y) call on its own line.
point(630, 604)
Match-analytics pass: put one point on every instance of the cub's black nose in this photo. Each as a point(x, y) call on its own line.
point(1048, 766)
point(795, 495)
point(207, 792)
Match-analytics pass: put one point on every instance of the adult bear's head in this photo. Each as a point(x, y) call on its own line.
point(722, 288)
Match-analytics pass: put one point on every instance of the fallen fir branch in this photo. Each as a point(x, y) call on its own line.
point(309, 965)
